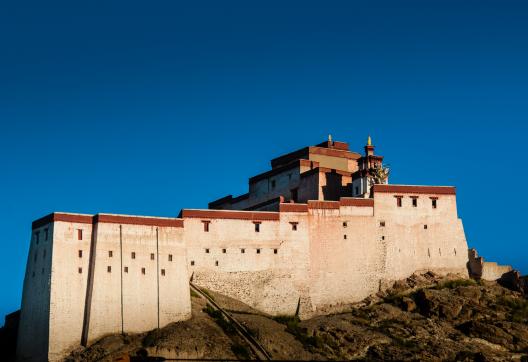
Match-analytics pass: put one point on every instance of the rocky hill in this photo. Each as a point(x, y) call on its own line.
point(422, 318)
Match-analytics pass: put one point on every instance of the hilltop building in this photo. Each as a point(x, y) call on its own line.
point(322, 228)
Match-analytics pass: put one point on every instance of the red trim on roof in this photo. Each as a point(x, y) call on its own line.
point(138, 220)
point(314, 204)
point(293, 208)
point(348, 201)
point(57, 216)
point(402, 189)
point(223, 214)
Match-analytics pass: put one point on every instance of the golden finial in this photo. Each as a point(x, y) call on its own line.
point(330, 138)
point(369, 141)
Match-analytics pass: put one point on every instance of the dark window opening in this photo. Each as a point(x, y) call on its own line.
point(293, 195)
point(46, 234)
point(275, 251)
point(383, 237)
point(357, 190)
point(33, 275)
point(414, 201)
point(257, 227)
point(110, 253)
point(425, 227)
point(80, 253)
point(126, 269)
point(151, 256)
point(109, 269)
point(42, 271)
point(272, 184)
point(345, 224)
point(294, 226)
point(44, 254)
point(258, 251)
point(79, 270)
point(192, 262)
point(399, 201)
point(35, 257)
point(207, 251)
point(133, 255)
point(206, 225)
point(143, 271)
point(170, 257)
point(216, 263)
point(433, 203)
point(382, 224)
point(37, 237)
point(242, 251)
point(79, 234)
point(344, 236)
point(162, 272)
point(224, 251)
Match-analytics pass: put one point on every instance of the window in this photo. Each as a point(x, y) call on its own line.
point(207, 251)
point(37, 237)
point(294, 225)
point(44, 254)
point(224, 251)
point(151, 256)
point(383, 237)
point(425, 227)
point(242, 251)
point(80, 253)
point(357, 190)
point(170, 257)
point(434, 203)
point(109, 269)
point(294, 194)
point(399, 201)
point(414, 201)
point(192, 262)
point(206, 225)
point(126, 269)
point(275, 251)
point(258, 251)
point(35, 257)
point(382, 224)
point(344, 236)
point(133, 255)
point(257, 227)
point(454, 251)
point(79, 234)
point(162, 272)
point(345, 224)
point(216, 263)
point(110, 253)
point(272, 184)
point(143, 271)
point(46, 234)
point(79, 270)
point(42, 272)
point(33, 275)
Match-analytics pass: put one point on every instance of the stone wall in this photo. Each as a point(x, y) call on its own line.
point(480, 269)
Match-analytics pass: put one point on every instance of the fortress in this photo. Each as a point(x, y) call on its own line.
point(322, 228)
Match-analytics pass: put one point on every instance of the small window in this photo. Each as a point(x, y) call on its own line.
point(425, 227)
point(294, 226)
point(35, 257)
point(143, 271)
point(206, 225)
point(454, 251)
point(434, 204)
point(170, 257)
point(133, 255)
point(224, 251)
point(242, 251)
point(399, 201)
point(357, 190)
point(33, 275)
point(80, 253)
point(344, 236)
point(46, 234)
point(79, 270)
point(258, 251)
point(109, 269)
point(275, 251)
point(42, 272)
point(37, 237)
point(257, 227)
point(110, 253)
point(126, 269)
point(382, 224)
point(216, 263)
point(272, 184)
point(44, 254)
point(79, 234)
point(207, 251)
point(162, 272)
point(192, 262)
point(415, 201)
point(383, 237)
point(151, 256)
point(345, 224)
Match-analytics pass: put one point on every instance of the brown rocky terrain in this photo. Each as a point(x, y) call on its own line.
point(422, 318)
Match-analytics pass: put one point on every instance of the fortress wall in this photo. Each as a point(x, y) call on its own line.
point(421, 237)
point(267, 280)
point(262, 189)
point(68, 285)
point(342, 270)
point(35, 309)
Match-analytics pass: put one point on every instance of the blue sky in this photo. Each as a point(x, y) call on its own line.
point(148, 107)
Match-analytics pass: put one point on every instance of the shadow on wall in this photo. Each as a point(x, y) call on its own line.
point(8, 336)
point(334, 188)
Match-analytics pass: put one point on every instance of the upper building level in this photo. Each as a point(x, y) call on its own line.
point(326, 171)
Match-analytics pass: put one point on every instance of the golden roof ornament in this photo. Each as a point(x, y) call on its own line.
point(369, 141)
point(330, 138)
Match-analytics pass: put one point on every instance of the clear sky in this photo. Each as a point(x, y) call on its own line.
point(147, 107)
